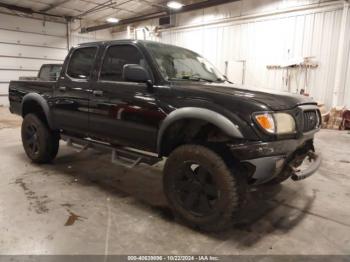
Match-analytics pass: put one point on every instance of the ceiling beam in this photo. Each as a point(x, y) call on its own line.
point(186, 8)
point(30, 11)
point(124, 22)
point(54, 5)
point(154, 4)
point(112, 7)
point(115, 14)
point(103, 6)
point(17, 8)
point(96, 8)
point(203, 4)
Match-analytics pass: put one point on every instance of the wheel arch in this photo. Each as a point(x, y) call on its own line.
point(34, 103)
point(216, 119)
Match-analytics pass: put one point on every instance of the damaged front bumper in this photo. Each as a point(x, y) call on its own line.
point(266, 160)
point(315, 161)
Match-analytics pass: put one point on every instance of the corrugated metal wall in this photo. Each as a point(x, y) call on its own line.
point(26, 44)
point(259, 32)
point(269, 32)
point(271, 39)
point(346, 91)
point(344, 94)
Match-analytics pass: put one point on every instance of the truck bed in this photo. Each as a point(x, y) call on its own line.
point(19, 88)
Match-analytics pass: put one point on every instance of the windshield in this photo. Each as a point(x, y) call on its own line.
point(177, 63)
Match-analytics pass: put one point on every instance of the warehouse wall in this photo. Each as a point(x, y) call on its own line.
point(346, 86)
point(269, 32)
point(26, 44)
point(75, 37)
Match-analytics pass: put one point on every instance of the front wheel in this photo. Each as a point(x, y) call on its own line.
point(39, 142)
point(201, 189)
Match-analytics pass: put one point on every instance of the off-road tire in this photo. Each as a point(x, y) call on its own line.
point(47, 141)
point(229, 183)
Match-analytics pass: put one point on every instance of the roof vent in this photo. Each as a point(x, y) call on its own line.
point(167, 21)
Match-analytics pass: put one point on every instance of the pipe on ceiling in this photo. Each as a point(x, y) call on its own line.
point(30, 11)
point(123, 22)
point(54, 5)
point(186, 8)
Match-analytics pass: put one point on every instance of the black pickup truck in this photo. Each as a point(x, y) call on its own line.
point(149, 100)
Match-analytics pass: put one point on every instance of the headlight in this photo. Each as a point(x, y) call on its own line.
point(276, 123)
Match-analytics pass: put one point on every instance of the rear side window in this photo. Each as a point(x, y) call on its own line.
point(50, 72)
point(81, 62)
point(115, 59)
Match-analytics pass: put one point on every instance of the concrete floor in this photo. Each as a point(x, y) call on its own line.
point(82, 204)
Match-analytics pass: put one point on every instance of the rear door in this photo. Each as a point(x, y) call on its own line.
point(124, 112)
point(72, 93)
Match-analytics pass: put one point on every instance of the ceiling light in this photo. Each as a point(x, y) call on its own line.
point(112, 20)
point(174, 5)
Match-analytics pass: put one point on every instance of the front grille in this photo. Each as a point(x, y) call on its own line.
point(311, 120)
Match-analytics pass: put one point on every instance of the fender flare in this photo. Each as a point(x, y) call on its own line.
point(42, 102)
point(210, 116)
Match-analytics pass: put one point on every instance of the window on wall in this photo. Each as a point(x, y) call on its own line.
point(116, 58)
point(81, 62)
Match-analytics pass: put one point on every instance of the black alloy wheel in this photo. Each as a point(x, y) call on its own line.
point(201, 188)
point(40, 143)
point(197, 190)
point(31, 136)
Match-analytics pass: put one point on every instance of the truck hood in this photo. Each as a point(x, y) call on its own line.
point(272, 99)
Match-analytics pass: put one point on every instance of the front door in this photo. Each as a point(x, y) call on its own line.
point(125, 112)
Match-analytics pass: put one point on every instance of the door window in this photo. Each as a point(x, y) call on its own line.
point(81, 63)
point(115, 59)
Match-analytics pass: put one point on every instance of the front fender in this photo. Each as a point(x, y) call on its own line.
point(210, 116)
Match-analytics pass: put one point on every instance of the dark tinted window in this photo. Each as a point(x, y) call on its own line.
point(116, 58)
point(81, 62)
point(50, 72)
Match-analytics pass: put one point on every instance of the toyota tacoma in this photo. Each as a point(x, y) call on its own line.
point(146, 101)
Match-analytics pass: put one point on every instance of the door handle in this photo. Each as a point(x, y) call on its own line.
point(62, 88)
point(97, 93)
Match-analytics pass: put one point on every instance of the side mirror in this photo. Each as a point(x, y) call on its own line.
point(135, 73)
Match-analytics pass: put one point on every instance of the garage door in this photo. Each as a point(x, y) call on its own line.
point(26, 44)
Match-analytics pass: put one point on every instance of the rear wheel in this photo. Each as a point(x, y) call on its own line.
point(39, 142)
point(201, 189)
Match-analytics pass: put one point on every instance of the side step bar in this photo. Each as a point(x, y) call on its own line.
point(120, 155)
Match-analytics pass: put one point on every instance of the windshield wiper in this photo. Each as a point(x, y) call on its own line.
point(197, 78)
point(225, 80)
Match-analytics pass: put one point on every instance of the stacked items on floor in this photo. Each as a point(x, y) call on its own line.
point(336, 118)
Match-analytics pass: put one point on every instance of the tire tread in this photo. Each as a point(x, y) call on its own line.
point(234, 184)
